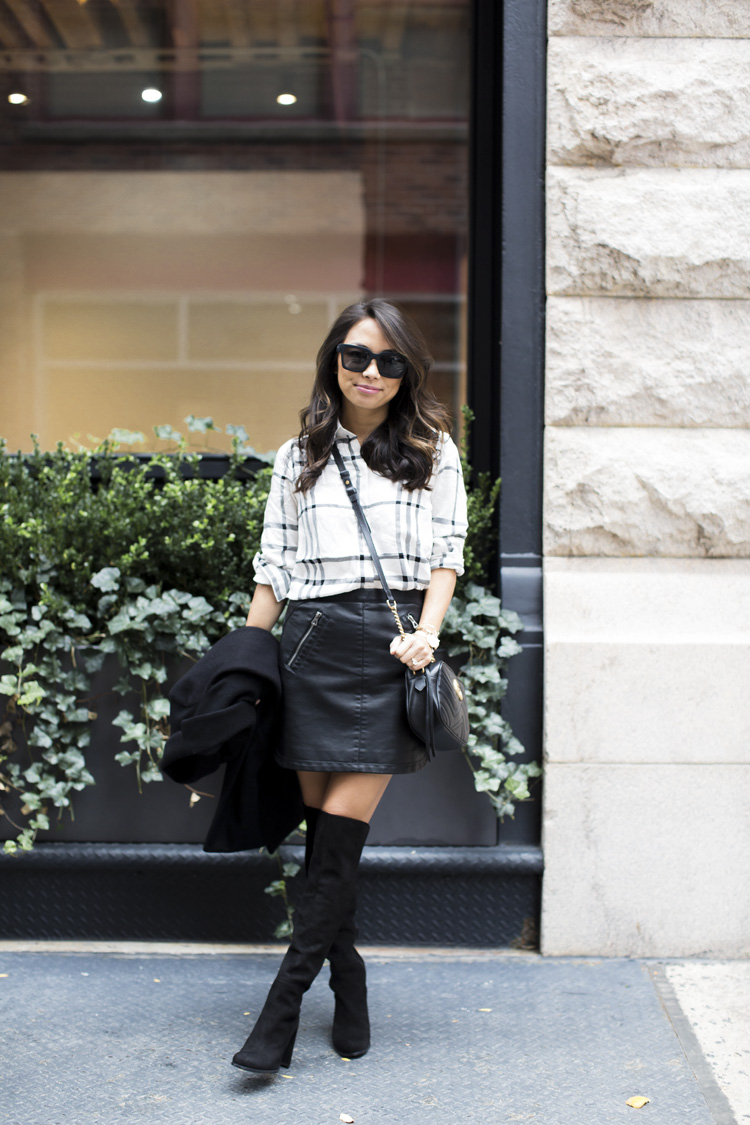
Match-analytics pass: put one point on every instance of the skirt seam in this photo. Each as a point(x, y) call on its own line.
point(318, 766)
point(361, 709)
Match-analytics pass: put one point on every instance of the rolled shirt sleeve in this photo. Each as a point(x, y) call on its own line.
point(275, 561)
point(449, 522)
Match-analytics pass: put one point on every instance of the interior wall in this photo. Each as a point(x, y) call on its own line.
point(131, 299)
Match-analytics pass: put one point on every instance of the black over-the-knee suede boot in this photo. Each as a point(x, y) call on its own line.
point(327, 898)
point(351, 1020)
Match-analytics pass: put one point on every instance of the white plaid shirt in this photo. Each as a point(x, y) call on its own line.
point(312, 546)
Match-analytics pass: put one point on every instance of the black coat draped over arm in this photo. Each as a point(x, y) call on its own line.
point(227, 709)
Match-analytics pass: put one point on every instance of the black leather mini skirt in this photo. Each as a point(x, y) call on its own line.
point(343, 693)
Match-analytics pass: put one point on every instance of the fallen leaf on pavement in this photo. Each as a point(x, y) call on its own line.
point(637, 1102)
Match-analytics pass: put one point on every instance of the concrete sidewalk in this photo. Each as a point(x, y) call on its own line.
point(118, 1032)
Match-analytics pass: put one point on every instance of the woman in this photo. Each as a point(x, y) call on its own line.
point(344, 725)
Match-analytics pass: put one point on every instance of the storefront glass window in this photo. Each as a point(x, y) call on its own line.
point(190, 190)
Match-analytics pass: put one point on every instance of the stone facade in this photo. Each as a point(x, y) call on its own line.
point(669, 362)
point(689, 18)
point(662, 232)
point(688, 102)
point(647, 478)
point(663, 492)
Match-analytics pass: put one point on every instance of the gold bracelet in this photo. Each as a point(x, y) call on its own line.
point(433, 640)
point(427, 628)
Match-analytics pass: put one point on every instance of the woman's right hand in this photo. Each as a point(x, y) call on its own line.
point(413, 650)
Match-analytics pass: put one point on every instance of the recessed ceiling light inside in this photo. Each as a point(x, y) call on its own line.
point(18, 99)
point(151, 94)
point(286, 99)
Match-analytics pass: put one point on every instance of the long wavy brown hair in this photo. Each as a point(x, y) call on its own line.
point(402, 448)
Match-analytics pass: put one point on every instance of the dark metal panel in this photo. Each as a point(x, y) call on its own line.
point(173, 892)
point(522, 270)
point(521, 381)
point(485, 237)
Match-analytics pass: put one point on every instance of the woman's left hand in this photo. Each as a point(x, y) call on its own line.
point(413, 650)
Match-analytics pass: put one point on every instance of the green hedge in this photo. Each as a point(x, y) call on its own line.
point(102, 552)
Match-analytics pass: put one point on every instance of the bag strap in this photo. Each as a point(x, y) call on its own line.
point(364, 526)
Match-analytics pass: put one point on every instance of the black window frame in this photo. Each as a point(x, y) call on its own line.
point(505, 356)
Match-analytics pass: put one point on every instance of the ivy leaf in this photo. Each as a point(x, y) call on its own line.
point(494, 724)
point(128, 757)
point(482, 674)
point(201, 425)
point(507, 648)
point(78, 715)
point(144, 669)
point(119, 436)
point(484, 782)
point(157, 709)
point(511, 621)
point(106, 579)
point(76, 620)
point(40, 738)
point(167, 433)
point(198, 608)
point(237, 432)
point(32, 693)
point(277, 887)
point(511, 745)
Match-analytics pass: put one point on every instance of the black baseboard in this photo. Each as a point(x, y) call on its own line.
point(177, 892)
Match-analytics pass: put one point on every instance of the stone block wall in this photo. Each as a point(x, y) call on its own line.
point(647, 479)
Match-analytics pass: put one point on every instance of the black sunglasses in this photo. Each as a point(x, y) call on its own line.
point(356, 357)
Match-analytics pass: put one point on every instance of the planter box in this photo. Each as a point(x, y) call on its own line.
point(438, 805)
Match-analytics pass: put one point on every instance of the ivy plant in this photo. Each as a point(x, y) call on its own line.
point(103, 553)
point(480, 633)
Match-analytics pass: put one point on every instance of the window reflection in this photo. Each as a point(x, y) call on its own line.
point(186, 254)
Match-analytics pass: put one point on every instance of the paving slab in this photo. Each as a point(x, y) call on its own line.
point(715, 999)
point(122, 1036)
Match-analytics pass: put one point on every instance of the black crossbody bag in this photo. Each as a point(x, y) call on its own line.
point(435, 697)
